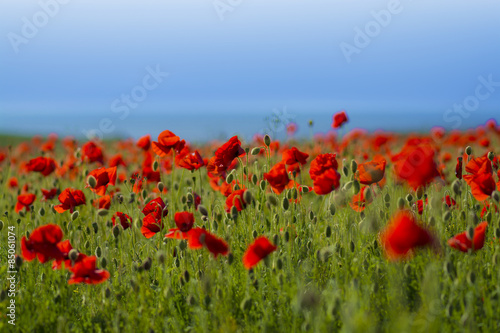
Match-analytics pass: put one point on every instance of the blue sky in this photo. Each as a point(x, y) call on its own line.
point(245, 57)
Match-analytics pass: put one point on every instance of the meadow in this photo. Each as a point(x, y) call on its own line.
point(360, 232)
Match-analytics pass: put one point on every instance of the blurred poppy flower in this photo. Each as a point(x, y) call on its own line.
point(48, 194)
point(64, 247)
point(463, 243)
point(69, 199)
point(199, 237)
point(416, 166)
point(458, 168)
point(339, 119)
point(293, 155)
point(358, 201)
point(291, 129)
point(24, 201)
point(144, 142)
point(224, 156)
point(85, 271)
point(13, 183)
point(116, 161)
point(44, 165)
point(323, 172)
point(258, 250)
point(103, 202)
point(277, 177)
point(420, 205)
point(92, 153)
point(190, 161)
point(449, 201)
point(404, 234)
point(122, 218)
point(371, 172)
point(152, 222)
point(166, 141)
point(184, 222)
point(103, 177)
point(236, 199)
point(42, 244)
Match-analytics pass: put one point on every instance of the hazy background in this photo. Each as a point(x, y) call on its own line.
point(235, 66)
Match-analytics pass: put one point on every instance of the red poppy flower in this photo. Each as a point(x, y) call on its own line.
point(463, 243)
point(224, 156)
point(277, 177)
point(65, 247)
point(166, 141)
point(258, 250)
point(13, 183)
point(152, 223)
point(416, 166)
point(24, 201)
point(144, 142)
point(480, 178)
point(324, 173)
point(42, 244)
point(371, 172)
point(339, 119)
point(236, 199)
point(85, 271)
point(184, 222)
point(291, 128)
point(458, 168)
point(147, 169)
point(69, 199)
point(199, 237)
point(48, 194)
point(103, 202)
point(293, 155)
point(190, 161)
point(92, 153)
point(403, 235)
point(122, 218)
point(117, 160)
point(104, 177)
point(44, 165)
point(420, 205)
point(358, 202)
point(449, 201)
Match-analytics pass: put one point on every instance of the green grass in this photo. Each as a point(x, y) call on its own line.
point(317, 280)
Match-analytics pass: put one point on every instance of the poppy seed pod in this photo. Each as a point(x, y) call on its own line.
point(267, 140)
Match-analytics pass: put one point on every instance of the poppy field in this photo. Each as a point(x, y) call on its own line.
point(344, 231)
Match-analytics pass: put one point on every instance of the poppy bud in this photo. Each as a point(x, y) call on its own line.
point(230, 258)
point(272, 200)
point(387, 197)
point(455, 186)
point(255, 151)
point(311, 215)
point(245, 170)
point(420, 192)
point(147, 264)
point(104, 262)
point(345, 171)
point(470, 233)
point(73, 254)
point(347, 185)
point(496, 259)
point(468, 150)
point(305, 189)
point(285, 204)
point(497, 232)
point(311, 123)
point(356, 187)
point(352, 246)
point(107, 293)
point(254, 179)
point(446, 216)
point(234, 212)
point(182, 245)
point(328, 231)
point(401, 203)
point(41, 211)
point(74, 216)
point(98, 252)
point(1, 225)
point(19, 261)
point(102, 212)
point(95, 226)
point(491, 155)
point(247, 196)
point(471, 278)
point(496, 196)
point(203, 210)
point(409, 198)
point(116, 231)
point(332, 209)
point(132, 197)
point(246, 304)
point(354, 166)
point(449, 269)
point(407, 270)
point(287, 236)
point(78, 153)
point(144, 194)
point(155, 166)
point(267, 140)
point(92, 181)
point(160, 186)
point(432, 221)
point(229, 178)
